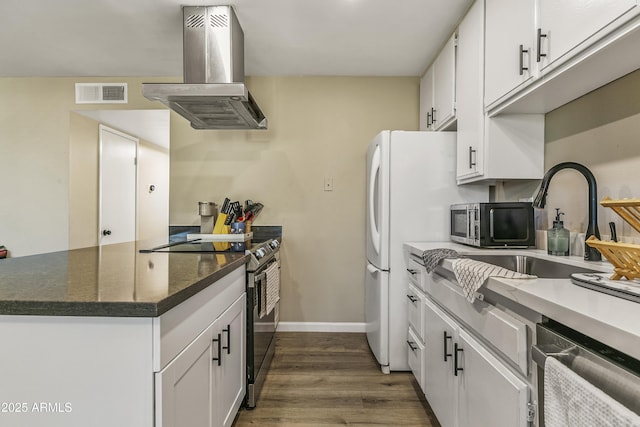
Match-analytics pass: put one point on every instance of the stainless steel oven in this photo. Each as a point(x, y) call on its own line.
point(262, 320)
point(493, 225)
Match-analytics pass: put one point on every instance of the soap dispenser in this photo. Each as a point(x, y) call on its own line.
point(558, 237)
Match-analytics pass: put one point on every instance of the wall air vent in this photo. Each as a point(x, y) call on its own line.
point(101, 93)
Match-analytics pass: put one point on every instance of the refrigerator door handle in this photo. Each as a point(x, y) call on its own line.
point(375, 170)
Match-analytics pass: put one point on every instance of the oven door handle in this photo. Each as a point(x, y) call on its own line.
point(258, 277)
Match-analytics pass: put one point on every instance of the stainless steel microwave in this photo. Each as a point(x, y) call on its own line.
point(493, 225)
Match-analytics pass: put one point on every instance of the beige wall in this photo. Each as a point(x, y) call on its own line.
point(35, 119)
point(600, 130)
point(318, 127)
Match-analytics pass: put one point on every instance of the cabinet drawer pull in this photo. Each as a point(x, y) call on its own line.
point(444, 345)
point(412, 271)
point(522, 52)
point(412, 298)
point(433, 115)
point(471, 162)
point(219, 345)
point(539, 45)
point(227, 330)
point(412, 345)
point(456, 350)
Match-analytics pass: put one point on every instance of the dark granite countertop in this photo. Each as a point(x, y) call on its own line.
point(115, 281)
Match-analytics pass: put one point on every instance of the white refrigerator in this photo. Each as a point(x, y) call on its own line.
point(411, 182)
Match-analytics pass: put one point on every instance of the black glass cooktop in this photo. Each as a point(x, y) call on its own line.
point(178, 242)
point(192, 247)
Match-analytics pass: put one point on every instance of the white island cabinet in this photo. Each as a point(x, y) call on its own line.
point(205, 384)
point(185, 367)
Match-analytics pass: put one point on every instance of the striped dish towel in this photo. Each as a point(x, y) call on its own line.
point(271, 289)
point(472, 274)
point(431, 257)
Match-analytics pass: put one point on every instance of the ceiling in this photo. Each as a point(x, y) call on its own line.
point(89, 38)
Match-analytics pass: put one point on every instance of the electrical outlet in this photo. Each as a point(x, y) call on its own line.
point(328, 184)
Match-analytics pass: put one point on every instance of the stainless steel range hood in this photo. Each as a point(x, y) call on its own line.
point(213, 95)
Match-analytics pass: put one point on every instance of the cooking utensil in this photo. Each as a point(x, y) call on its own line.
point(225, 205)
point(614, 235)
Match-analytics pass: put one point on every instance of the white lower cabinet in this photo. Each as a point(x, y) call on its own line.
point(205, 384)
point(416, 357)
point(228, 383)
point(440, 382)
point(489, 394)
point(183, 391)
point(465, 384)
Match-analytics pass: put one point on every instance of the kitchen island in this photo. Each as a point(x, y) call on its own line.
point(106, 336)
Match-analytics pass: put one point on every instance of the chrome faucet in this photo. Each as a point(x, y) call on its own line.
point(590, 254)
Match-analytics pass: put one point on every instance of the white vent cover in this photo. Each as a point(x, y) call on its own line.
point(101, 93)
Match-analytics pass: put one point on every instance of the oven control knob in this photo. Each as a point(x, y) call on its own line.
point(274, 244)
point(259, 253)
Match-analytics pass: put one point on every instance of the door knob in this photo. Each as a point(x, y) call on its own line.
point(106, 232)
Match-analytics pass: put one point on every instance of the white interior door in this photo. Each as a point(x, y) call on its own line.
point(118, 153)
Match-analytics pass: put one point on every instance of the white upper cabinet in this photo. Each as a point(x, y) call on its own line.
point(500, 148)
point(569, 48)
point(469, 81)
point(509, 46)
point(426, 99)
point(438, 90)
point(566, 24)
point(444, 86)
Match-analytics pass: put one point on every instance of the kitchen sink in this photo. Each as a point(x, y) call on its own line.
point(542, 268)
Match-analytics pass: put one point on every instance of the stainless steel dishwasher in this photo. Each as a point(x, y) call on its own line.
point(615, 373)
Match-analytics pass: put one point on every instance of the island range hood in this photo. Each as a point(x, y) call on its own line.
point(213, 95)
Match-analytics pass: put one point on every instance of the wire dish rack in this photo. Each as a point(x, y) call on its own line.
point(625, 257)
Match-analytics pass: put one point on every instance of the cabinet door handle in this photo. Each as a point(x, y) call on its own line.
point(411, 271)
point(539, 45)
point(412, 298)
point(444, 345)
point(471, 162)
point(522, 52)
point(412, 345)
point(227, 330)
point(433, 115)
point(219, 342)
point(456, 350)
point(429, 123)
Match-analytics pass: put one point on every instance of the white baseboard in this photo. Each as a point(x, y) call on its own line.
point(321, 327)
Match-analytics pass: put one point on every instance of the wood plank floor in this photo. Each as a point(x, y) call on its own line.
point(330, 379)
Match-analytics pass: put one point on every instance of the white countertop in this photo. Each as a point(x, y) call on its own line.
point(611, 320)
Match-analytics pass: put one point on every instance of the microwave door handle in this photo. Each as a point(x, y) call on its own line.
point(491, 224)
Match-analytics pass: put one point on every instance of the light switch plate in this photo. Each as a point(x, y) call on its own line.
point(328, 184)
